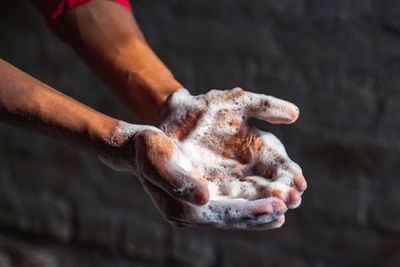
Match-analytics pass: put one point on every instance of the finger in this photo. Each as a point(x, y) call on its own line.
point(273, 163)
point(269, 108)
point(285, 191)
point(182, 185)
point(277, 223)
point(300, 182)
point(265, 188)
point(290, 173)
point(290, 196)
point(268, 221)
point(172, 210)
point(279, 194)
point(163, 170)
point(224, 214)
point(239, 213)
point(273, 145)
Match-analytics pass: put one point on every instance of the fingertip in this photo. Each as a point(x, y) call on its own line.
point(279, 206)
point(294, 113)
point(292, 197)
point(280, 219)
point(291, 114)
point(276, 223)
point(278, 194)
point(279, 222)
point(268, 208)
point(201, 195)
point(300, 182)
point(286, 117)
point(195, 193)
point(263, 208)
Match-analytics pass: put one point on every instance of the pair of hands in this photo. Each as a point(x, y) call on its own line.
point(206, 166)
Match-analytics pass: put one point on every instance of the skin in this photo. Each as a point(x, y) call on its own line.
point(245, 147)
point(248, 153)
point(105, 35)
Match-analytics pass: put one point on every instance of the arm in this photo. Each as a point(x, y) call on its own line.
point(105, 35)
point(151, 154)
point(108, 39)
point(30, 103)
point(140, 149)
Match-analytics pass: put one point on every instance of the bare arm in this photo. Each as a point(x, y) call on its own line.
point(30, 103)
point(119, 54)
point(107, 38)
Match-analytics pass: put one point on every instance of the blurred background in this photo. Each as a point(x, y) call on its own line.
point(338, 60)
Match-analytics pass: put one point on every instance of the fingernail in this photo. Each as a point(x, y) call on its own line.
point(300, 182)
point(293, 196)
point(295, 112)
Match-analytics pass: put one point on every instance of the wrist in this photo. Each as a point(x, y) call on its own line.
point(120, 152)
point(105, 143)
point(115, 143)
point(146, 91)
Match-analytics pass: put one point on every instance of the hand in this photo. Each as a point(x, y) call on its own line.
point(262, 214)
point(212, 130)
point(206, 138)
point(237, 162)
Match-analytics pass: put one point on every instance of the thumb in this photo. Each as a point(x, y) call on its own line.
point(163, 170)
point(182, 185)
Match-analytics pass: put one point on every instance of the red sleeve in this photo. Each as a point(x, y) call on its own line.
point(52, 9)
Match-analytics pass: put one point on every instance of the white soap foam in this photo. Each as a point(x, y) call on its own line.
point(124, 131)
point(231, 198)
point(229, 194)
point(229, 213)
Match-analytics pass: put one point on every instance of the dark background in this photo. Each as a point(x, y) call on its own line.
point(338, 60)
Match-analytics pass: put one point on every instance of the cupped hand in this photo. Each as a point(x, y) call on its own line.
point(247, 172)
point(208, 166)
point(213, 132)
point(182, 195)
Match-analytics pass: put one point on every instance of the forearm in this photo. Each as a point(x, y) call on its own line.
point(106, 36)
point(30, 103)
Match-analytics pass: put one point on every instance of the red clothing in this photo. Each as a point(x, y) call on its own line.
point(52, 9)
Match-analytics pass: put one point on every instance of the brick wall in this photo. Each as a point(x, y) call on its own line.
point(339, 61)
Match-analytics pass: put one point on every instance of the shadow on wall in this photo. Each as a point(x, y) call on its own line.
point(338, 60)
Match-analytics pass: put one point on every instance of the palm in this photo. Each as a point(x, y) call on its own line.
point(247, 172)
